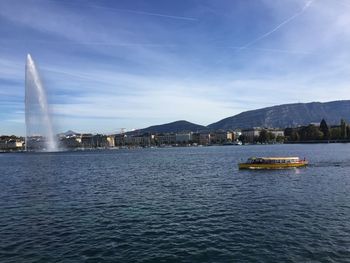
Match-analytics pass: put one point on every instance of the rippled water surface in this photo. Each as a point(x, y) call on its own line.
point(175, 205)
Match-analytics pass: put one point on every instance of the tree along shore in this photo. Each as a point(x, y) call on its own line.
point(318, 134)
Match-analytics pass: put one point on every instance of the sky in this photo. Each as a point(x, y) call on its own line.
point(108, 65)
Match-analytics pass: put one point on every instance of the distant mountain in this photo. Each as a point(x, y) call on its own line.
point(177, 126)
point(287, 115)
point(69, 133)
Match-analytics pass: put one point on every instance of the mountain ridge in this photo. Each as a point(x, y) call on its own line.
point(287, 115)
point(278, 116)
point(175, 126)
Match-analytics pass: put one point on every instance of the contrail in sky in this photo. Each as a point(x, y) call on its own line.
point(133, 11)
point(305, 7)
point(151, 14)
point(273, 50)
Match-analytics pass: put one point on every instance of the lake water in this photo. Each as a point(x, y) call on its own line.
point(175, 205)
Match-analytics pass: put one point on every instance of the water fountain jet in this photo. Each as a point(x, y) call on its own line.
point(37, 114)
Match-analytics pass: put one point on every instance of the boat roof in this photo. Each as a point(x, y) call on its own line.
point(275, 158)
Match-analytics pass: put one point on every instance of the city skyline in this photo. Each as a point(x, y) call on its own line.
point(109, 65)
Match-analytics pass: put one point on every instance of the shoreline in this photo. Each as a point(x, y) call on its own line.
point(177, 146)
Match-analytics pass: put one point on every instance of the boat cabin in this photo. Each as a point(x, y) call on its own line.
point(273, 160)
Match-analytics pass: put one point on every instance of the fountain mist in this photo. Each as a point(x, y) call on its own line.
point(37, 114)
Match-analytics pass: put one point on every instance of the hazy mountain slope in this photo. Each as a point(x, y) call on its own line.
point(177, 126)
point(287, 115)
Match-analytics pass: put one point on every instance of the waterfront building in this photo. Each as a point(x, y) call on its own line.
point(317, 124)
point(167, 139)
point(277, 132)
point(195, 138)
point(11, 143)
point(15, 144)
point(99, 141)
point(236, 134)
point(205, 138)
point(110, 141)
point(251, 134)
point(86, 140)
point(220, 137)
point(133, 140)
point(35, 143)
point(70, 142)
point(147, 140)
point(183, 138)
point(119, 140)
point(3, 144)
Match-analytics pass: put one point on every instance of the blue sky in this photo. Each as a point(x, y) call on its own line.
point(130, 64)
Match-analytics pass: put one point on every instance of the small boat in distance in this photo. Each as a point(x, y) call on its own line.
point(273, 163)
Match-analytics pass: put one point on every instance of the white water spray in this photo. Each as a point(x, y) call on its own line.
point(37, 114)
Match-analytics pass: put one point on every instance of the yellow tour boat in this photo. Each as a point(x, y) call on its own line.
point(273, 163)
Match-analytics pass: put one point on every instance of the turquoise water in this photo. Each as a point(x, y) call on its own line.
point(175, 205)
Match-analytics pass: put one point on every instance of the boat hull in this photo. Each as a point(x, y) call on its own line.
point(257, 166)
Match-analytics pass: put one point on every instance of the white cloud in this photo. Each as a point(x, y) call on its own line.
point(110, 69)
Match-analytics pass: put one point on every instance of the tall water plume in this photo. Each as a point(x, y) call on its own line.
point(37, 114)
